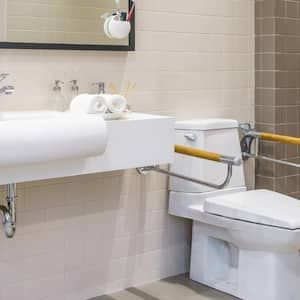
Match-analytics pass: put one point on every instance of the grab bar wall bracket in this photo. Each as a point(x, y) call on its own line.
point(250, 135)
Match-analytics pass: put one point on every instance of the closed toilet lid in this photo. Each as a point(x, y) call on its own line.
point(259, 206)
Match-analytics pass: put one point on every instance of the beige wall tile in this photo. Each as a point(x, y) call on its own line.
point(94, 234)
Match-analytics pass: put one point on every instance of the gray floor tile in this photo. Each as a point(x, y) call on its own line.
point(174, 288)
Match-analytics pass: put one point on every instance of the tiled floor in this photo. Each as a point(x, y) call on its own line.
point(175, 288)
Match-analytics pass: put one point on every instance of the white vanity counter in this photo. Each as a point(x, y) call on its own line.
point(137, 140)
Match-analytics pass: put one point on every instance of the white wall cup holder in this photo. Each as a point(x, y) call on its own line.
point(115, 28)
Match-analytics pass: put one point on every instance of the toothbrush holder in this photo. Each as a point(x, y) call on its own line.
point(115, 28)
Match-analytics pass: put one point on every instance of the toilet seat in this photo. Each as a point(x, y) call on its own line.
point(259, 206)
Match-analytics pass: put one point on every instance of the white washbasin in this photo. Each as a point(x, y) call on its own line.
point(30, 115)
point(135, 141)
point(45, 136)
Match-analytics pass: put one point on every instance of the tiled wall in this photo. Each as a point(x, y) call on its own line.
point(83, 236)
point(278, 89)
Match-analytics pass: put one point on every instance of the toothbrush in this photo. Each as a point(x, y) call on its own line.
point(130, 14)
point(127, 89)
point(130, 87)
point(113, 88)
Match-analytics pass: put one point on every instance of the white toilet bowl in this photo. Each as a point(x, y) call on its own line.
point(245, 243)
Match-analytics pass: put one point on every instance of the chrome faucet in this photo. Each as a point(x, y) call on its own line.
point(7, 89)
point(101, 87)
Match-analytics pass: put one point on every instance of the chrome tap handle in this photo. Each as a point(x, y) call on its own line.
point(101, 86)
point(7, 90)
point(57, 85)
point(3, 76)
point(74, 85)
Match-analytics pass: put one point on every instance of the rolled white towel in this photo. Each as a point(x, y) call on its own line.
point(89, 104)
point(116, 103)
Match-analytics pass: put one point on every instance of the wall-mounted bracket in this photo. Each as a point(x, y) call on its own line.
point(250, 135)
point(246, 143)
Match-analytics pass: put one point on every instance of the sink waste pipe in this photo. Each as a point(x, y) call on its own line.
point(9, 213)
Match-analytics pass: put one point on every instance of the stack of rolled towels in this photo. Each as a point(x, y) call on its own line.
point(104, 104)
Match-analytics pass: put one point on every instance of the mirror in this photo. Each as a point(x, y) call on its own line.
point(62, 24)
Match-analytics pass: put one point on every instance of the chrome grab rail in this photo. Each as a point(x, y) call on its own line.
point(230, 161)
point(144, 170)
point(277, 161)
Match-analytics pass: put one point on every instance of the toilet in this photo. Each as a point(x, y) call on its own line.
point(244, 243)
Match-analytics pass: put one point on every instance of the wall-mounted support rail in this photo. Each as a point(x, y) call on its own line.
point(216, 157)
point(250, 135)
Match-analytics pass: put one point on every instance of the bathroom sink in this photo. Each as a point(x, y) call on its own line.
point(46, 136)
point(30, 115)
point(41, 145)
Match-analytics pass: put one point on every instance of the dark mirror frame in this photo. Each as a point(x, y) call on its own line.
point(48, 46)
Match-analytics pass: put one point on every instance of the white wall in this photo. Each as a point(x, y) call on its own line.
point(80, 237)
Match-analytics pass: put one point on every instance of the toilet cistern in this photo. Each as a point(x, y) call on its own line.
point(8, 89)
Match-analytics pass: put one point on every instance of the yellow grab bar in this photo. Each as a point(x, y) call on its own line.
point(197, 153)
point(279, 138)
point(207, 155)
point(229, 160)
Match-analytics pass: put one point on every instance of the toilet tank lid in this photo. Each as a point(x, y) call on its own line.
point(206, 124)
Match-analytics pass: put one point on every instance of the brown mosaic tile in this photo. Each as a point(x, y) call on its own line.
point(278, 90)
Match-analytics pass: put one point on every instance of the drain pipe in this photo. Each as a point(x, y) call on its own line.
point(9, 213)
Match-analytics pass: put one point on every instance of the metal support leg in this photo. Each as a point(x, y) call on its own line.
point(145, 170)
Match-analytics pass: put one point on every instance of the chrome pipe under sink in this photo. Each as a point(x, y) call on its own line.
point(9, 217)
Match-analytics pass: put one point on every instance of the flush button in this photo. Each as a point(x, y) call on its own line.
point(191, 136)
